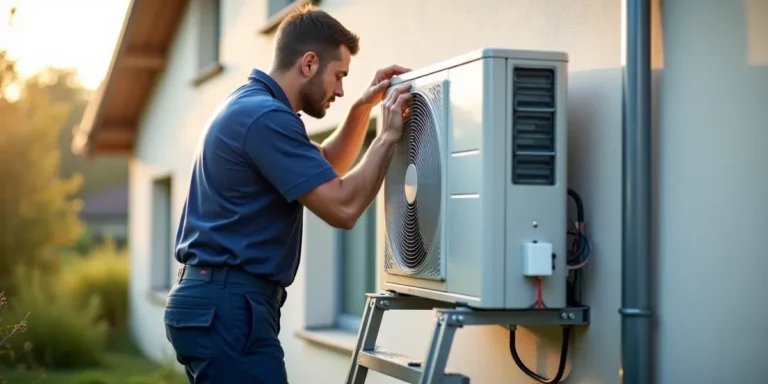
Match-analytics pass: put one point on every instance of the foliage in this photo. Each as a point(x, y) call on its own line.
point(38, 211)
point(102, 273)
point(62, 333)
point(84, 244)
point(7, 331)
point(93, 378)
point(123, 364)
point(98, 172)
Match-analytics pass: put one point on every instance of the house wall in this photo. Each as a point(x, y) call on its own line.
point(711, 89)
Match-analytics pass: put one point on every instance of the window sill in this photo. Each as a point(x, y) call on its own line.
point(207, 74)
point(157, 296)
point(337, 339)
point(274, 21)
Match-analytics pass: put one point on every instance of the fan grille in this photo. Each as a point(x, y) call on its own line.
point(413, 185)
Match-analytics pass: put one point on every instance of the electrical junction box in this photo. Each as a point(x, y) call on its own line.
point(537, 259)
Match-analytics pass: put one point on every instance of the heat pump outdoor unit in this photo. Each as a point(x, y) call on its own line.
point(474, 200)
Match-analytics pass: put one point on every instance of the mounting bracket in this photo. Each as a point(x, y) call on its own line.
point(447, 320)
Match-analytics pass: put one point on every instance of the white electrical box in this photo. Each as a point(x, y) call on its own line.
point(537, 259)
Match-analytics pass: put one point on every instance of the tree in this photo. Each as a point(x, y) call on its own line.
point(38, 214)
point(98, 172)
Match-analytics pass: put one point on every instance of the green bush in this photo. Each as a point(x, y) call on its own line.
point(166, 374)
point(7, 331)
point(61, 333)
point(102, 273)
point(157, 379)
point(92, 378)
point(83, 244)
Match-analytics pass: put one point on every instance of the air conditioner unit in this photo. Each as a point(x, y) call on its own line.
point(474, 200)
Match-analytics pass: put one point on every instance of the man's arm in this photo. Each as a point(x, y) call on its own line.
point(341, 201)
point(278, 146)
point(344, 144)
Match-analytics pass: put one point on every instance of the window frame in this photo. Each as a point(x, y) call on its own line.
point(275, 17)
point(161, 273)
point(347, 321)
point(323, 324)
point(210, 67)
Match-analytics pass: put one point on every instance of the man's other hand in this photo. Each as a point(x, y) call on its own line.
point(394, 110)
point(375, 92)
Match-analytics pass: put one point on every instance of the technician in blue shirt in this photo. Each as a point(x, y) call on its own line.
point(254, 171)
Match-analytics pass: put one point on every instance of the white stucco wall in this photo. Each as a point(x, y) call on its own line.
point(711, 127)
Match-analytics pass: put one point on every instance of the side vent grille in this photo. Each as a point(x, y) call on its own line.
point(533, 126)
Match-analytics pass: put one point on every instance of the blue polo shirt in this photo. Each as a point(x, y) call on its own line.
point(253, 160)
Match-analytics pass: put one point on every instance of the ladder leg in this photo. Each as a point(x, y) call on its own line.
point(366, 339)
point(439, 349)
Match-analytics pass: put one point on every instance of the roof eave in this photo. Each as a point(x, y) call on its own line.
point(86, 132)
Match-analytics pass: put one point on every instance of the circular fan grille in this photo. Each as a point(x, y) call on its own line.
point(413, 184)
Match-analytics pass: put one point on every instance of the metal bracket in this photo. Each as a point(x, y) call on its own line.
point(447, 320)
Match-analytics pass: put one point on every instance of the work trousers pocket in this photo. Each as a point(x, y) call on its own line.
point(188, 321)
point(264, 323)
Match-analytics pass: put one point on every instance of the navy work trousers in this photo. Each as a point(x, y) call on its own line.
point(223, 325)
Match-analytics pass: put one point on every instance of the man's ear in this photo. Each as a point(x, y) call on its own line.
point(309, 64)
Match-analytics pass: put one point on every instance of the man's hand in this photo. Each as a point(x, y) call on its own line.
point(375, 92)
point(394, 109)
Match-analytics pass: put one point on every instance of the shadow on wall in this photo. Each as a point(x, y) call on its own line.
point(709, 98)
point(710, 115)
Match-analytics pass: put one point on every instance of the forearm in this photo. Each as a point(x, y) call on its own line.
point(343, 146)
point(363, 183)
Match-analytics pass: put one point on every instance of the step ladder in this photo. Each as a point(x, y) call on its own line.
point(447, 320)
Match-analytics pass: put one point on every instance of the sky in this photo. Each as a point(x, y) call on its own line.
point(78, 34)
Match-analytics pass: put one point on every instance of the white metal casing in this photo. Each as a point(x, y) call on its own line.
point(479, 220)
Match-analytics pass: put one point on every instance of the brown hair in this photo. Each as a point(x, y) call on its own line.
point(310, 29)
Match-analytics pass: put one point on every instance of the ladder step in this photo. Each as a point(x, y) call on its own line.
point(401, 367)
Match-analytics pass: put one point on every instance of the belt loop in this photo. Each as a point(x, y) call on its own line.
point(180, 272)
point(223, 282)
point(208, 272)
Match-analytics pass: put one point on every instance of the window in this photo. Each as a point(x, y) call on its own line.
point(161, 258)
point(208, 39)
point(277, 10)
point(340, 267)
point(275, 6)
point(356, 258)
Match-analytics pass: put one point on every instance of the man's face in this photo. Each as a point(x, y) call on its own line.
point(325, 85)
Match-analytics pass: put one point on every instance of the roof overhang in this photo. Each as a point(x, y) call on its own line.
point(111, 119)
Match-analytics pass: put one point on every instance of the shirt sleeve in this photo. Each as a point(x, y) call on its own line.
point(279, 147)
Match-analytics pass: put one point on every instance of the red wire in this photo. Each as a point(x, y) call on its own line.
point(539, 300)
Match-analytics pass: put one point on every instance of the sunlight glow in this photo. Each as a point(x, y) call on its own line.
point(79, 34)
point(12, 93)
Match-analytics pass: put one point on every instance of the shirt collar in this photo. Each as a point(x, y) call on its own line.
point(272, 86)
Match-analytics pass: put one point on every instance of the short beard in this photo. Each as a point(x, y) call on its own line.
point(312, 96)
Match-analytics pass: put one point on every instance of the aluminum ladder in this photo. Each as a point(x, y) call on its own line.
point(447, 320)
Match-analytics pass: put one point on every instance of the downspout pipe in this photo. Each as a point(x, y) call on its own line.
point(636, 309)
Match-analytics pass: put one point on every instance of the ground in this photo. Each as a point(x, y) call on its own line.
point(125, 365)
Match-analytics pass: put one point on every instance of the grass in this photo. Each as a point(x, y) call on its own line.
point(124, 365)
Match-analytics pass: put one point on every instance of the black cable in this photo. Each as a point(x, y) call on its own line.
point(583, 245)
point(574, 288)
point(575, 257)
point(534, 375)
point(579, 205)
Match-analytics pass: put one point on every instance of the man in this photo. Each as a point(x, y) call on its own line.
point(239, 236)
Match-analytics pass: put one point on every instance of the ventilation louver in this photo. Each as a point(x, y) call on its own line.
point(413, 196)
point(533, 122)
